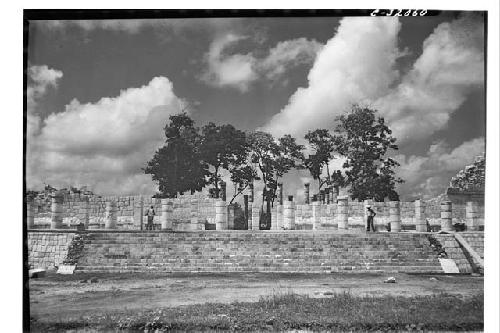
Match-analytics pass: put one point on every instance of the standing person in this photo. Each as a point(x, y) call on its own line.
point(150, 213)
point(369, 221)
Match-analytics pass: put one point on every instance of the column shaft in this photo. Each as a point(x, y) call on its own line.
point(316, 215)
point(446, 216)
point(220, 215)
point(342, 213)
point(110, 215)
point(56, 212)
point(472, 215)
point(289, 215)
point(420, 222)
point(395, 216)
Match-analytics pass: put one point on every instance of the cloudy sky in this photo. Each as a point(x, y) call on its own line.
point(100, 92)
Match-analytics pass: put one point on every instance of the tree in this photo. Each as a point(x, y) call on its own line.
point(364, 140)
point(177, 166)
point(323, 145)
point(273, 159)
point(242, 177)
point(223, 147)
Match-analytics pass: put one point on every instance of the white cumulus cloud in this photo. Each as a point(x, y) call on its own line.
point(238, 70)
point(430, 175)
point(235, 70)
point(104, 144)
point(40, 79)
point(355, 65)
point(450, 67)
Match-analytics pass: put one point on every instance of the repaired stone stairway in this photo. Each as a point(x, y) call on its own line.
point(257, 251)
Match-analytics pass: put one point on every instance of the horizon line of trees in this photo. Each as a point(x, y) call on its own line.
point(193, 158)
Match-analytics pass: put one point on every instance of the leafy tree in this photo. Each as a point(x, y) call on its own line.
point(222, 147)
point(364, 140)
point(273, 159)
point(242, 177)
point(177, 166)
point(323, 146)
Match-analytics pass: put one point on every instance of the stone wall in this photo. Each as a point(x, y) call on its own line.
point(455, 252)
point(356, 218)
point(47, 249)
point(129, 213)
point(128, 210)
point(256, 251)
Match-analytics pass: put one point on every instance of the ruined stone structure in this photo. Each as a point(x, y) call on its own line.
point(199, 212)
point(194, 233)
point(243, 251)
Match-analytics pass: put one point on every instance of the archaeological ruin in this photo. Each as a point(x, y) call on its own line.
point(197, 233)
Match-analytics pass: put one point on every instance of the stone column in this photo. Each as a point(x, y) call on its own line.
point(30, 214)
point(446, 216)
point(334, 196)
point(274, 224)
point(289, 214)
point(322, 197)
point(279, 217)
point(56, 218)
point(280, 193)
point(230, 217)
point(342, 213)
point(110, 215)
point(316, 215)
point(138, 212)
point(166, 214)
point(255, 216)
point(306, 193)
point(223, 190)
point(250, 194)
point(420, 224)
point(248, 211)
point(86, 211)
point(472, 215)
point(395, 216)
point(220, 215)
point(194, 221)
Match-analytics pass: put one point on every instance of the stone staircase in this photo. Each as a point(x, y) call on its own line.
point(475, 240)
point(257, 251)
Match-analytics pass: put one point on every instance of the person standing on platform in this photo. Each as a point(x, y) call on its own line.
point(369, 221)
point(150, 214)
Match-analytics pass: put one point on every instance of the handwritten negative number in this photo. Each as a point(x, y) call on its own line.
point(399, 12)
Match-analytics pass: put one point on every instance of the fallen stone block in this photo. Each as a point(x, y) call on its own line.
point(449, 266)
point(390, 280)
point(36, 273)
point(66, 269)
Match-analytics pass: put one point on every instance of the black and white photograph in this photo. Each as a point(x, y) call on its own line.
point(255, 170)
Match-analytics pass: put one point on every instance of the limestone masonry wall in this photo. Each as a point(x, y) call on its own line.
point(47, 249)
point(243, 251)
point(130, 211)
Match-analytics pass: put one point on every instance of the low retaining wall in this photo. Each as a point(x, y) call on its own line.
point(48, 249)
point(237, 251)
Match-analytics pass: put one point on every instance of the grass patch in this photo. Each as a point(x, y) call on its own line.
point(286, 311)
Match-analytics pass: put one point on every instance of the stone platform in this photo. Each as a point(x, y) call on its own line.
point(241, 251)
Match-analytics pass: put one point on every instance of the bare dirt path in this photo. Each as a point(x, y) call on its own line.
point(63, 297)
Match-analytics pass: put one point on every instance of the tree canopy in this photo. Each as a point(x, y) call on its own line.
point(364, 140)
point(193, 157)
point(177, 166)
point(323, 146)
point(223, 147)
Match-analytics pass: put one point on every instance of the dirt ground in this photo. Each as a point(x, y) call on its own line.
point(58, 297)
